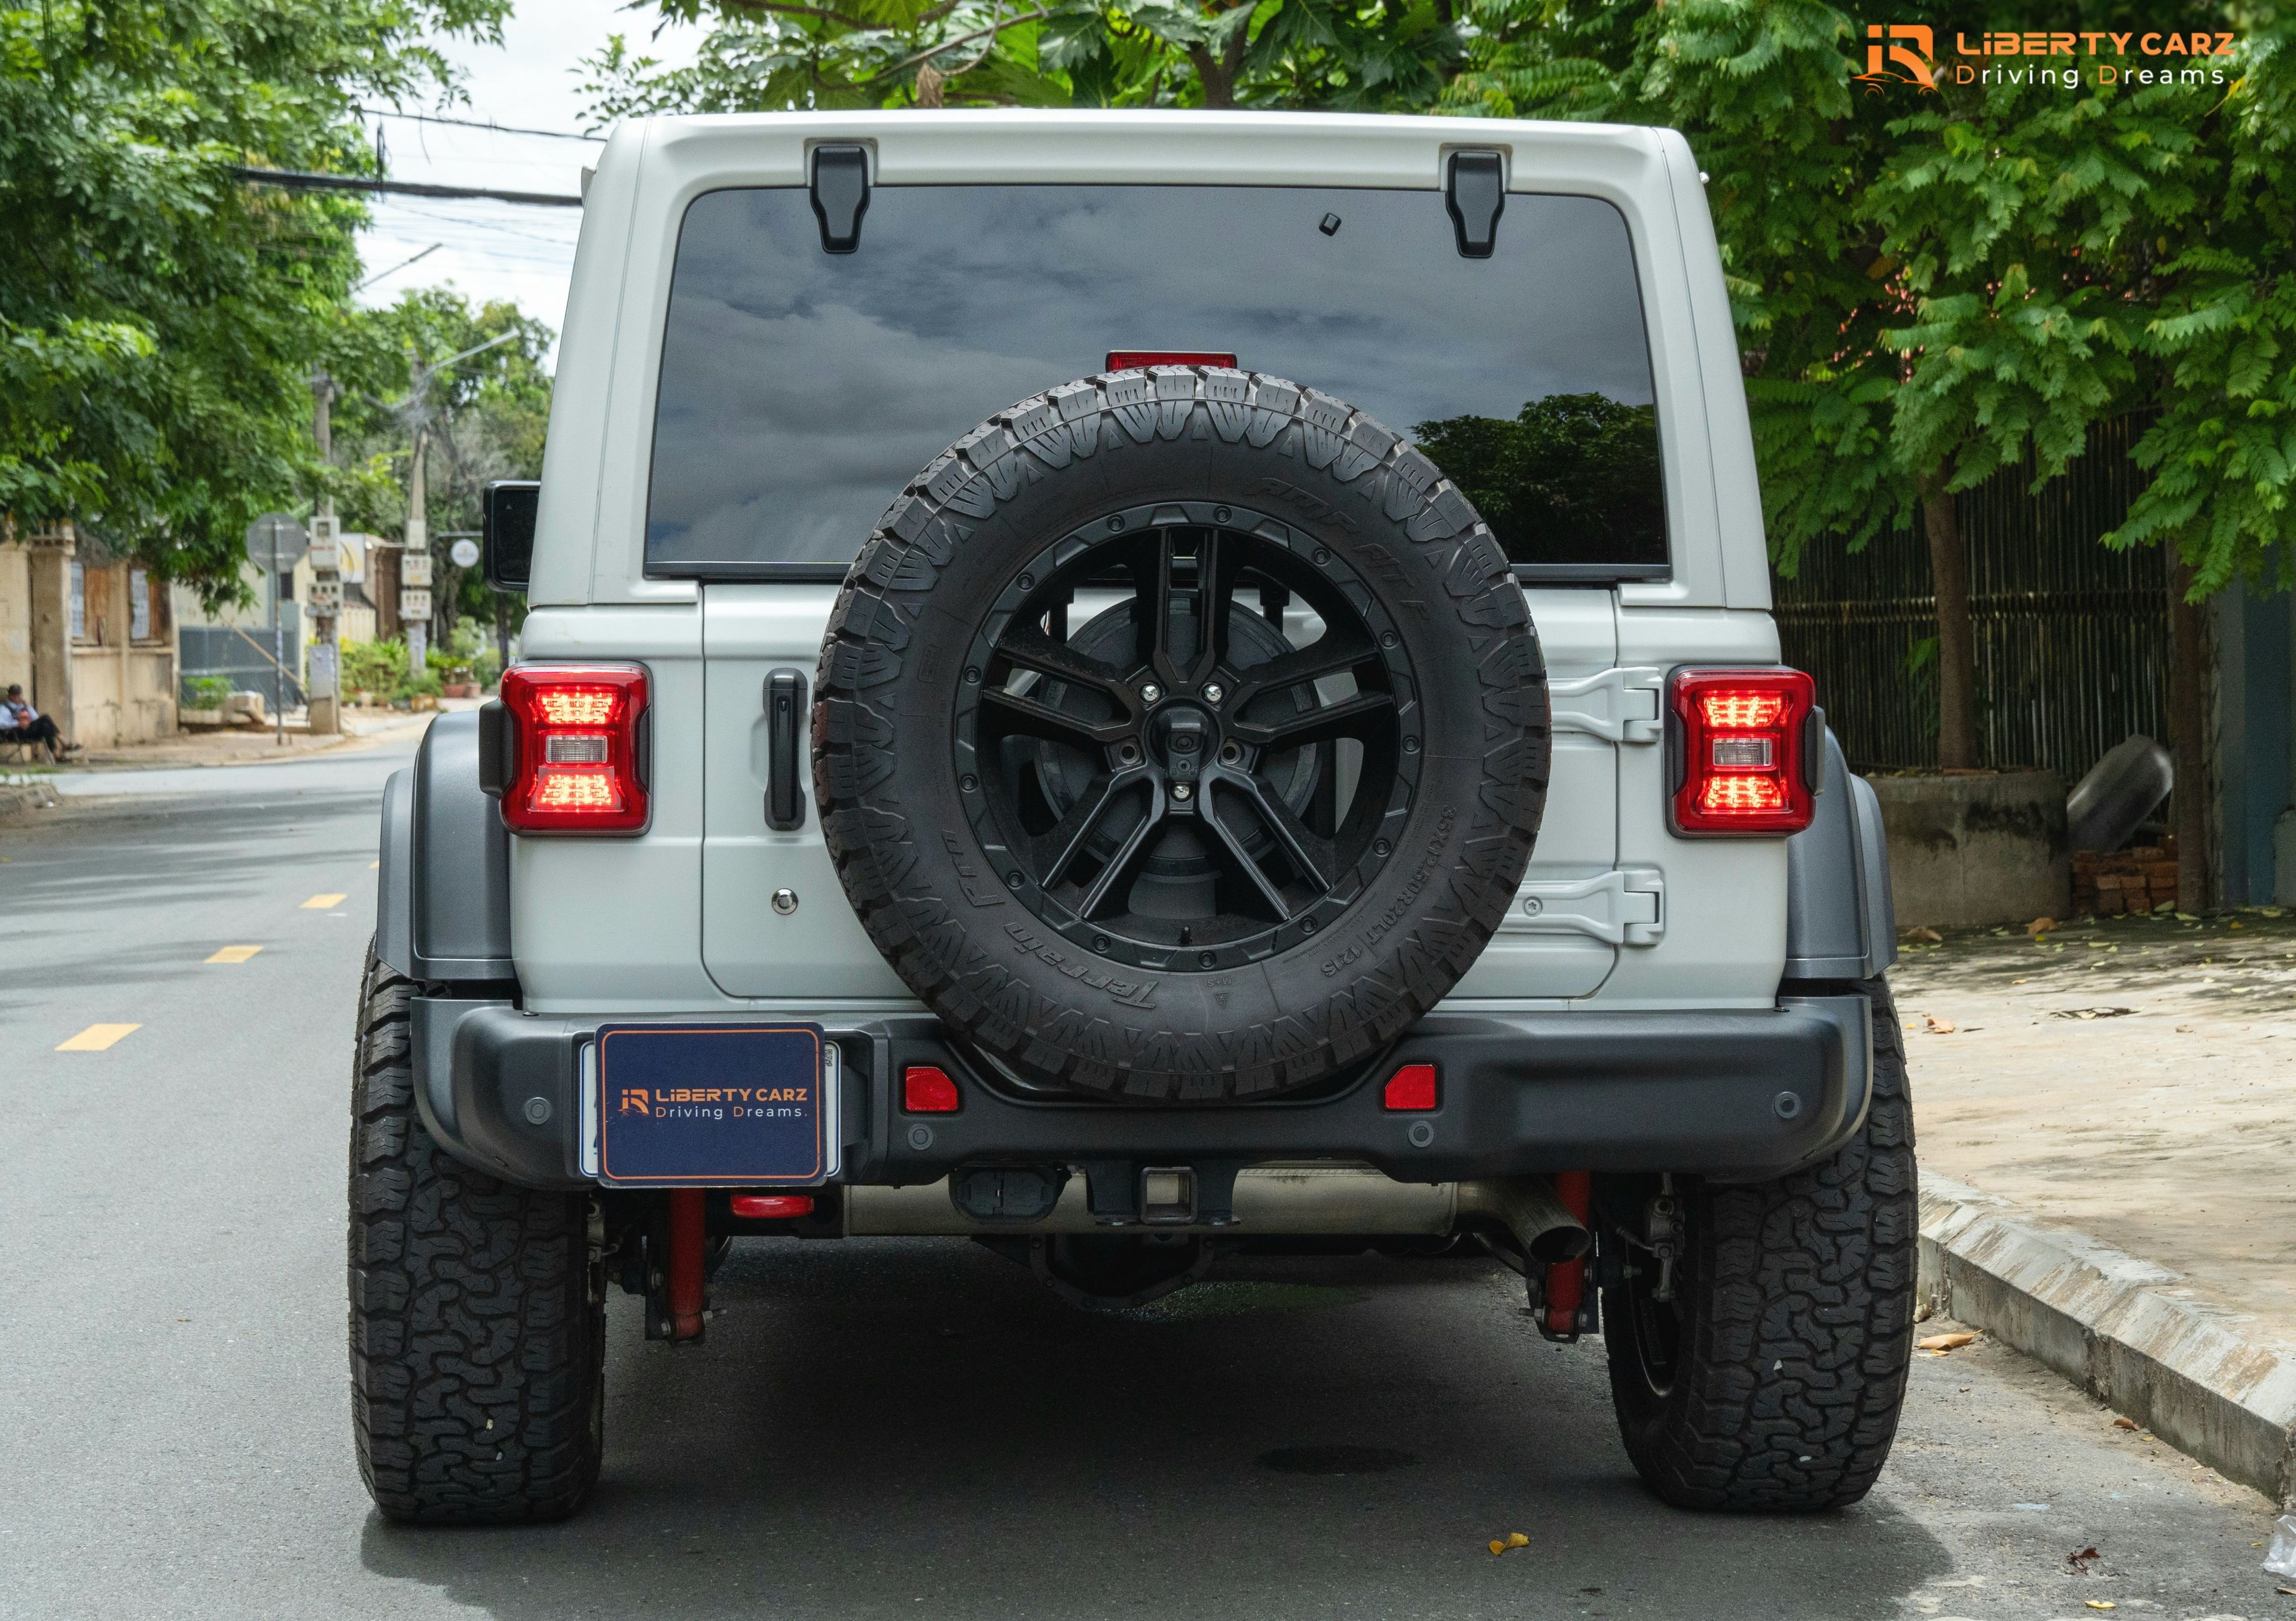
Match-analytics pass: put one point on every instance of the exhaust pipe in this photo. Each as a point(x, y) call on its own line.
point(1528, 1208)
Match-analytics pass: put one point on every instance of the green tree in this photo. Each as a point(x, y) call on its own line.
point(1389, 55)
point(158, 317)
point(479, 419)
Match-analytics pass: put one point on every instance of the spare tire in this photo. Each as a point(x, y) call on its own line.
point(1181, 735)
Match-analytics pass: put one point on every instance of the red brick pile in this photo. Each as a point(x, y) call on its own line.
point(2126, 880)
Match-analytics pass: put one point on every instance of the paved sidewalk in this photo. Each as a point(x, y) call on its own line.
point(2133, 1077)
point(2128, 1086)
point(249, 746)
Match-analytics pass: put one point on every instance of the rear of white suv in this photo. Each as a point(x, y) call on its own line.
point(1112, 683)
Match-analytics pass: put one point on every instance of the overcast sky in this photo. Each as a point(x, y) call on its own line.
point(491, 249)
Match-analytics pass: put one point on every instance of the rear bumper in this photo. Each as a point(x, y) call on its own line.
point(1740, 1094)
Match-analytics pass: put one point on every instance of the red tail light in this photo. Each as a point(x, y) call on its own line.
point(1132, 360)
point(573, 761)
point(1745, 752)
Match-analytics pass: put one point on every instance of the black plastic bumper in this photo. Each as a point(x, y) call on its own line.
point(1742, 1094)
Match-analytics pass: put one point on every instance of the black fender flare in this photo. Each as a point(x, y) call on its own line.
point(442, 908)
point(1840, 924)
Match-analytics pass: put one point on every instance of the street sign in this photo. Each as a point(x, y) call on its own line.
point(465, 553)
point(276, 541)
point(414, 605)
point(414, 569)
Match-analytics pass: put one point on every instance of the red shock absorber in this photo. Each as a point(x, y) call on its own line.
point(1566, 1280)
point(688, 1233)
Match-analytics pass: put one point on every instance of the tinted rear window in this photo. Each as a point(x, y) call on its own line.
point(801, 390)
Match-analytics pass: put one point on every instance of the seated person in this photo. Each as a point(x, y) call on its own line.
point(20, 723)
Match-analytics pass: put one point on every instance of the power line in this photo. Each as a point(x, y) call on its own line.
point(507, 130)
point(297, 180)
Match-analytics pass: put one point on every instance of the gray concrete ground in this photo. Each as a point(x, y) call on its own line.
point(875, 1429)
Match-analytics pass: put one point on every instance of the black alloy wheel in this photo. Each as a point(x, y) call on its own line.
point(1175, 783)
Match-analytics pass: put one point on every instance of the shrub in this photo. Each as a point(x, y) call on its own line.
point(206, 692)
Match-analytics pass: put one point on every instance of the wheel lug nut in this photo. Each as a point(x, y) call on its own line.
point(1230, 754)
point(1181, 790)
point(1214, 692)
point(1151, 692)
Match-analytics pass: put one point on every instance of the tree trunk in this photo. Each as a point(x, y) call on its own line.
point(1220, 86)
point(1218, 74)
point(2187, 736)
point(1957, 667)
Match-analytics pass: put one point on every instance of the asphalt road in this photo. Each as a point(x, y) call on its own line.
point(877, 1429)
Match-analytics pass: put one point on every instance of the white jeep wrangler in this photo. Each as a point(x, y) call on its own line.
point(1124, 687)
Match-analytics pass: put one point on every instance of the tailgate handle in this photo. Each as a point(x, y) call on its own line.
point(784, 725)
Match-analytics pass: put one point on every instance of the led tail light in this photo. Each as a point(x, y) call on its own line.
point(1746, 750)
point(569, 748)
point(1131, 360)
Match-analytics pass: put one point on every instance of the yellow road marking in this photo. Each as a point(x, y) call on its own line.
point(321, 903)
point(234, 953)
point(96, 1038)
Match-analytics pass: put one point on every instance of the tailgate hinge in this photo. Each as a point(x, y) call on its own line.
point(1621, 705)
point(1625, 906)
point(840, 196)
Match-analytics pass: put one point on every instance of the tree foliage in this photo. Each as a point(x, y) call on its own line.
point(159, 317)
point(771, 55)
point(479, 419)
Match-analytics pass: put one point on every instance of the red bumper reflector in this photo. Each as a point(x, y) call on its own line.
point(1132, 360)
point(772, 1207)
point(1411, 1088)
point(928, 1091)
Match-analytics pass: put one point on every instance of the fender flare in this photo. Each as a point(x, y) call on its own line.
point(442, 909)
point(1841, 923)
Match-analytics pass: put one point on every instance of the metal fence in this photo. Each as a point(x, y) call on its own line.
point(2072, 639)
point(218, 650)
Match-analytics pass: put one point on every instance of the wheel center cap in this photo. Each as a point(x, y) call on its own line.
point(1181, 737)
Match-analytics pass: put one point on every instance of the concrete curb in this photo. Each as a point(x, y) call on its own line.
point(21, 798)
point(2129, 1332)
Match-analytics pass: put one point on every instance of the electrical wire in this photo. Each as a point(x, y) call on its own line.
point(507, 130)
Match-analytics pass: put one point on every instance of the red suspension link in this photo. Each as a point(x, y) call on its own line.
point(688, 1233)
point(1566, 1280)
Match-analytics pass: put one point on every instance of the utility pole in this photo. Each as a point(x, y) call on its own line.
point(414, 570)
point(323, 685)
point(414, 557)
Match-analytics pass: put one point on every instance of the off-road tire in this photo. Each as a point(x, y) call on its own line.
point(477, 1319)
point(1072, 459)
point(1796, 1315)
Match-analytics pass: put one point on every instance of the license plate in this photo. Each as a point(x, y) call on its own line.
point(710, 1105)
